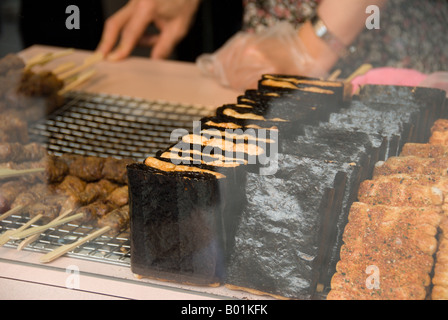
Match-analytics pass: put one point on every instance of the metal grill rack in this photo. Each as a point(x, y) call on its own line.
point(117, 126)
point(103, 125)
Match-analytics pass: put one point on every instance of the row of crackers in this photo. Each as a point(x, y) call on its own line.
point(396, 239)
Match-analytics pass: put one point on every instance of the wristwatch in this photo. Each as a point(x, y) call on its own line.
point(321, 30)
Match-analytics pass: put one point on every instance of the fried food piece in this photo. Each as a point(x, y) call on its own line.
point(440, 278)
point(17, 152)
point(87, 168)
point(93, 211)
point(115, 170)
point(117, 219)
point(440, 125)
point(398, 242)
point(406, 192)
point(424, 150)
point(412, 165)
point(439, 137)
point(119, 197)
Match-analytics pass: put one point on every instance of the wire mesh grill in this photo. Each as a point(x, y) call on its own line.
point(103, 125)
point(106, 125)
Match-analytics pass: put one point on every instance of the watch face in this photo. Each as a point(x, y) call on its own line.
point(320, 28)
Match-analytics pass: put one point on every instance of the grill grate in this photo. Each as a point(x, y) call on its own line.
point(106, 125)
point(103, 125)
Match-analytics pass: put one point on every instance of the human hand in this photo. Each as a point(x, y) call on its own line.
point(241, 61)
point(172, 18)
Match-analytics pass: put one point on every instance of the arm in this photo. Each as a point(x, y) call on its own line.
point(345, 19)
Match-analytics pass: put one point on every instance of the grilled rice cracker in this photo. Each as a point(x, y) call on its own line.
point(439, 138)
point(412, 228)
point(392, 193)
point(412, 165)
point(354, 286)
point(440, 125)
point(440, 278)
point(424, 150)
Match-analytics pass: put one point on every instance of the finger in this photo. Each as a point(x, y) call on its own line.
point(112, 29)
point(142, 15)
point(168, 38)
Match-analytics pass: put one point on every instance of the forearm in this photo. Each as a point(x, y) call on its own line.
point(345, 19)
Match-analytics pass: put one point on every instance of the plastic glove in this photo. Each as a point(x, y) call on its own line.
point(241, 61)
point(389, 76)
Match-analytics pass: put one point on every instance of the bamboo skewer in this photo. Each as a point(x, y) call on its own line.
point(63, 68)
point(69, 247)
point(9, 213)
point(44, 58)
point(5, 237)
point(359, 72)
point(6, 173)
point(40, 229)
point(25, 242)
point(83, 77)
point(88, 62)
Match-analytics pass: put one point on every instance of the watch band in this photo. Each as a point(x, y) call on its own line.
point(321, 30)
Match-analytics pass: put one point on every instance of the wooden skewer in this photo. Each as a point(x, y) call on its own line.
point(88, 62)
point(82, 78)
point(359, 72)
point(6, 173)
point(63, 67)
point(334, 75)
point(15, 210)
point(44, 58)
point(4, 238)
point(40, 229)
point(25, 242)
point(69, 247)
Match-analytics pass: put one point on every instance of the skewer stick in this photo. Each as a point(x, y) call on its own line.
point(82, 78)
point(334, 75)
point(25, 242)
point(63, 67)
point(88, 62)
point(40, 229)
point(15, 210)
point(6, 173)
point(359, 72)
point(44, 58)
point(4, 238)
point(69, 247)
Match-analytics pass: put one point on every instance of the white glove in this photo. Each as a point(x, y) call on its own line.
point(241, 61)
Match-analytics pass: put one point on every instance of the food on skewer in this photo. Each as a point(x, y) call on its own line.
point(97, 190)
point(119, 197)
point(17, 152)
point(13, 129)
point(9, 191)
point(93, 211)
point(115, 170)
point(87, 168)
point(117, 220)
point(11, 62)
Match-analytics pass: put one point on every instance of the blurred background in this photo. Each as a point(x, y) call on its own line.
point(27, 22)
